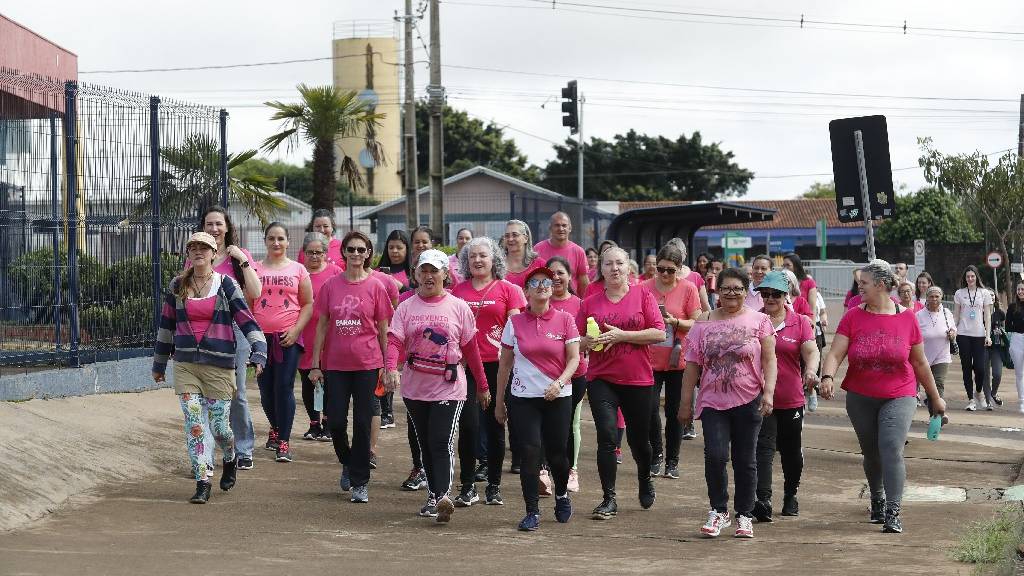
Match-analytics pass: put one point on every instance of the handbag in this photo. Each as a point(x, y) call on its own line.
point(819, 336)
point(954, 348)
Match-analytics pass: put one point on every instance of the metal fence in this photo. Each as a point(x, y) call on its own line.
point(98, 190)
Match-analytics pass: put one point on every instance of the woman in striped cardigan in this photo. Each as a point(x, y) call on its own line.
point(196, 328)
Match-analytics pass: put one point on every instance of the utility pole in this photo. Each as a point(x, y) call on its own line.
point(581, 215)
point(412, 203)
point(369, 87)
point(435, 93)
point(1020, 131)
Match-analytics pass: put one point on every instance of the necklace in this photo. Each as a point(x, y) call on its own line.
point(200, 289)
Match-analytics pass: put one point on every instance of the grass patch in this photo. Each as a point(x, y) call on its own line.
point(992, 544)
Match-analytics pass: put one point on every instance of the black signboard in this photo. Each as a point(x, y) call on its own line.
point(877, 165)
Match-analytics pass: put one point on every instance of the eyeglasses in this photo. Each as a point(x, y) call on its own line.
point(666, 270)
point(730, 289)
point(355, 249)
point(315, 253)
point(772, 294)
point(535, 283)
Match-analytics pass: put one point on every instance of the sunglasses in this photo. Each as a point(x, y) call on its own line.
point(535, 283)
point(731, 289)
point(314, 253)
point(772, 294)
point(355, 249)
point(666, 270)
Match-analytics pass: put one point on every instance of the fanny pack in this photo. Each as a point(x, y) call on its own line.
point(434, 367)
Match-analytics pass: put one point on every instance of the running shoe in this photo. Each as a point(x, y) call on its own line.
point(983, 404)
point(444, 509)
point(790, 505)
point(492, 495)
point(417, 479)
point(530, 523)
point(360, 494)
point(656, 464)
point(273, 440)
point(481, 472)
point(892, 524)
point(606, 509)
point(690, 432)
point(563, 508)
point(971, 405)
point(284, 453)
point(467, 496)
point(998, 401)
point(574, 480)
point(325, 433)
point(618, 455)
point(429, 509)
point(345, 481)
point(314, 431)
point(373, 461)
point(762, 511)
point(716, 521)
point(545, 486)
point(672, 470)
point(387, 422)
point(244, 463)
point(877, 511)
point(647, 493)
point(744, 527)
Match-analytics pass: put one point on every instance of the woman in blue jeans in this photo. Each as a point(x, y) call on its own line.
point(731, 353)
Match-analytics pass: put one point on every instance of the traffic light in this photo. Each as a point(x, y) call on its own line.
point(570, 115)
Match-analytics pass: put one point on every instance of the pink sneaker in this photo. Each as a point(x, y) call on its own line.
point(744, 527)
point(545, 487)
point(716, 521)
point(574, 480)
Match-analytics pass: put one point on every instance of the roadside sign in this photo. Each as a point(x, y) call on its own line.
point(737, 242)
point(1016, 267)
point(877, 168)
point(994, 259)
point(919, 254)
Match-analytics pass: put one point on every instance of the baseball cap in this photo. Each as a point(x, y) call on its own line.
point(435, 258)
point(543, 270)
point(201, 238)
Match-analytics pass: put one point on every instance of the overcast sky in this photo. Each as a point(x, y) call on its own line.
point(632, 66)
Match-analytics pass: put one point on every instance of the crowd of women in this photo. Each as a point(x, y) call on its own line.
point(503, 339)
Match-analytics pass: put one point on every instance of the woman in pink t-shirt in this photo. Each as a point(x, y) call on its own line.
point(692, 275)
point(563, 298)
point(314, 247)
point(808, 288)
point(796, 355)
point(905, 293)
point(323, 222)
point(619, 374)
point(542, 345)
point(679, 302)
point(592, 267)
point(282, 310)
point(732, 355)
point(395, 259)
point(351, 339)
point(493, 300)
point(437, 331)
point(887, 360)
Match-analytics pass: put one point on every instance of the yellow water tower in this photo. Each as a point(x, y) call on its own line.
point(366, 58)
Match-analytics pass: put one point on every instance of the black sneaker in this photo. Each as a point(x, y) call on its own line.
point(672, 470)
point(647, 493)
point(877, 511)
point(492, 495)
point(244, 463)
point(762, 510)
point(997, 400)
point(429, 509)
point(273, 441)
point(284, 453)
point(202, 495)
point(417, 479)
point(892, 524)
point(606, 509)
point(314, 431)
point(790, 506)
point(227, 477)
point(481, 472)
point(656, 464)
point(467, 496)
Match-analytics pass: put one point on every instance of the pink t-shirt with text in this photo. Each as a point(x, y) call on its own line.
point(572, 306)
point(680, 302)
point(435, 330)
point(317, 280)
point(879, 352)
point(789, 384)
point(572, 252)
point(277, 308)
point(626, 364)
point(539, 343)
point(729, 355)
point(353, 310)
point(492, 306)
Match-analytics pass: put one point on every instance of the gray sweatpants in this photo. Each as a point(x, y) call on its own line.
point(882, 425)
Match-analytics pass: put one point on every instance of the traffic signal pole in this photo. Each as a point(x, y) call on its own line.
point(581, 216)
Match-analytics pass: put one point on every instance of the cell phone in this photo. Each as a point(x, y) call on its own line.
point(385, 269)
point(662, 308)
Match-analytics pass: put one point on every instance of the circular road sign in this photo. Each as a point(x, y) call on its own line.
point(994, 259)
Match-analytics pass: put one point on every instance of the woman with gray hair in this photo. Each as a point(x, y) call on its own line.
point(493, 301)
point(692, 275)
point(517, 242)
point(314, 250)
point(938, 329)
point(886, 361)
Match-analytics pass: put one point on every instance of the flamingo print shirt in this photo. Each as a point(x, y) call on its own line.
point(353, 310)
point(729, 355)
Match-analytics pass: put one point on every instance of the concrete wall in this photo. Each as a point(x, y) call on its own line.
point(125, 375)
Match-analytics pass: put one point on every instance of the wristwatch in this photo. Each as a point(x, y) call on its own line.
point(829, 376)
point(244, 264)
point(561, 385)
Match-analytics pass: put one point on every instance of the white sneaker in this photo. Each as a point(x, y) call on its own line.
point(574, 481)
point(983, 404)
point(971, 405)
point(716, 521)
point(744, 527)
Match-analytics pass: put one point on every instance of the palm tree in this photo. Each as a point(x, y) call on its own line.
point(324, 116)
point(190, 181)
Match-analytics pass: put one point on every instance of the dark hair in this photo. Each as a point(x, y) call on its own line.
point(604, 245)
point(671, 253)
point(564, 264)
point(798, 266)
point(426, 230)
point(977, 276)
point(385, 259)
point(229, 239)
point(736, 273)
point(275, 224)
point(461, 230)
point(594, 250)
point(707, 264)
point(433, 240)
point(357, 235)
point(931, 282)
point(762, 257)
point(322, 213)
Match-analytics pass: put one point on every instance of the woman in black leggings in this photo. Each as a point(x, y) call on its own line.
point(972, 309)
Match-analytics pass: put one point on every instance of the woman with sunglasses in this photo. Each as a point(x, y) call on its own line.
point(323, 222)
point(314, 247)
point(732, 356)
point(282, 310)
point(690, 274)
point(351, 339)
point(796, 355)
point(493, 301)
point(542, 344)
point(620, 374)
point(437, 332)
point(680, 304)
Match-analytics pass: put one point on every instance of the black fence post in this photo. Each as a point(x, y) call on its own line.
point(512, 206)
point(55, 213)
point(223, 157)
point(71, 155)
point(154, 190)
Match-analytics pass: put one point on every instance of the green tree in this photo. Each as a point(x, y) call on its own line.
point(991, 193)
point(469, 142)
point(820, 190)
point(641, 167)
point(324, 116)
point(931, 215)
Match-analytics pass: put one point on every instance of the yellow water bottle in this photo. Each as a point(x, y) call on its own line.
point(593, 330)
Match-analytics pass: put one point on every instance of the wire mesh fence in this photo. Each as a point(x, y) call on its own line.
point(99, 188)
